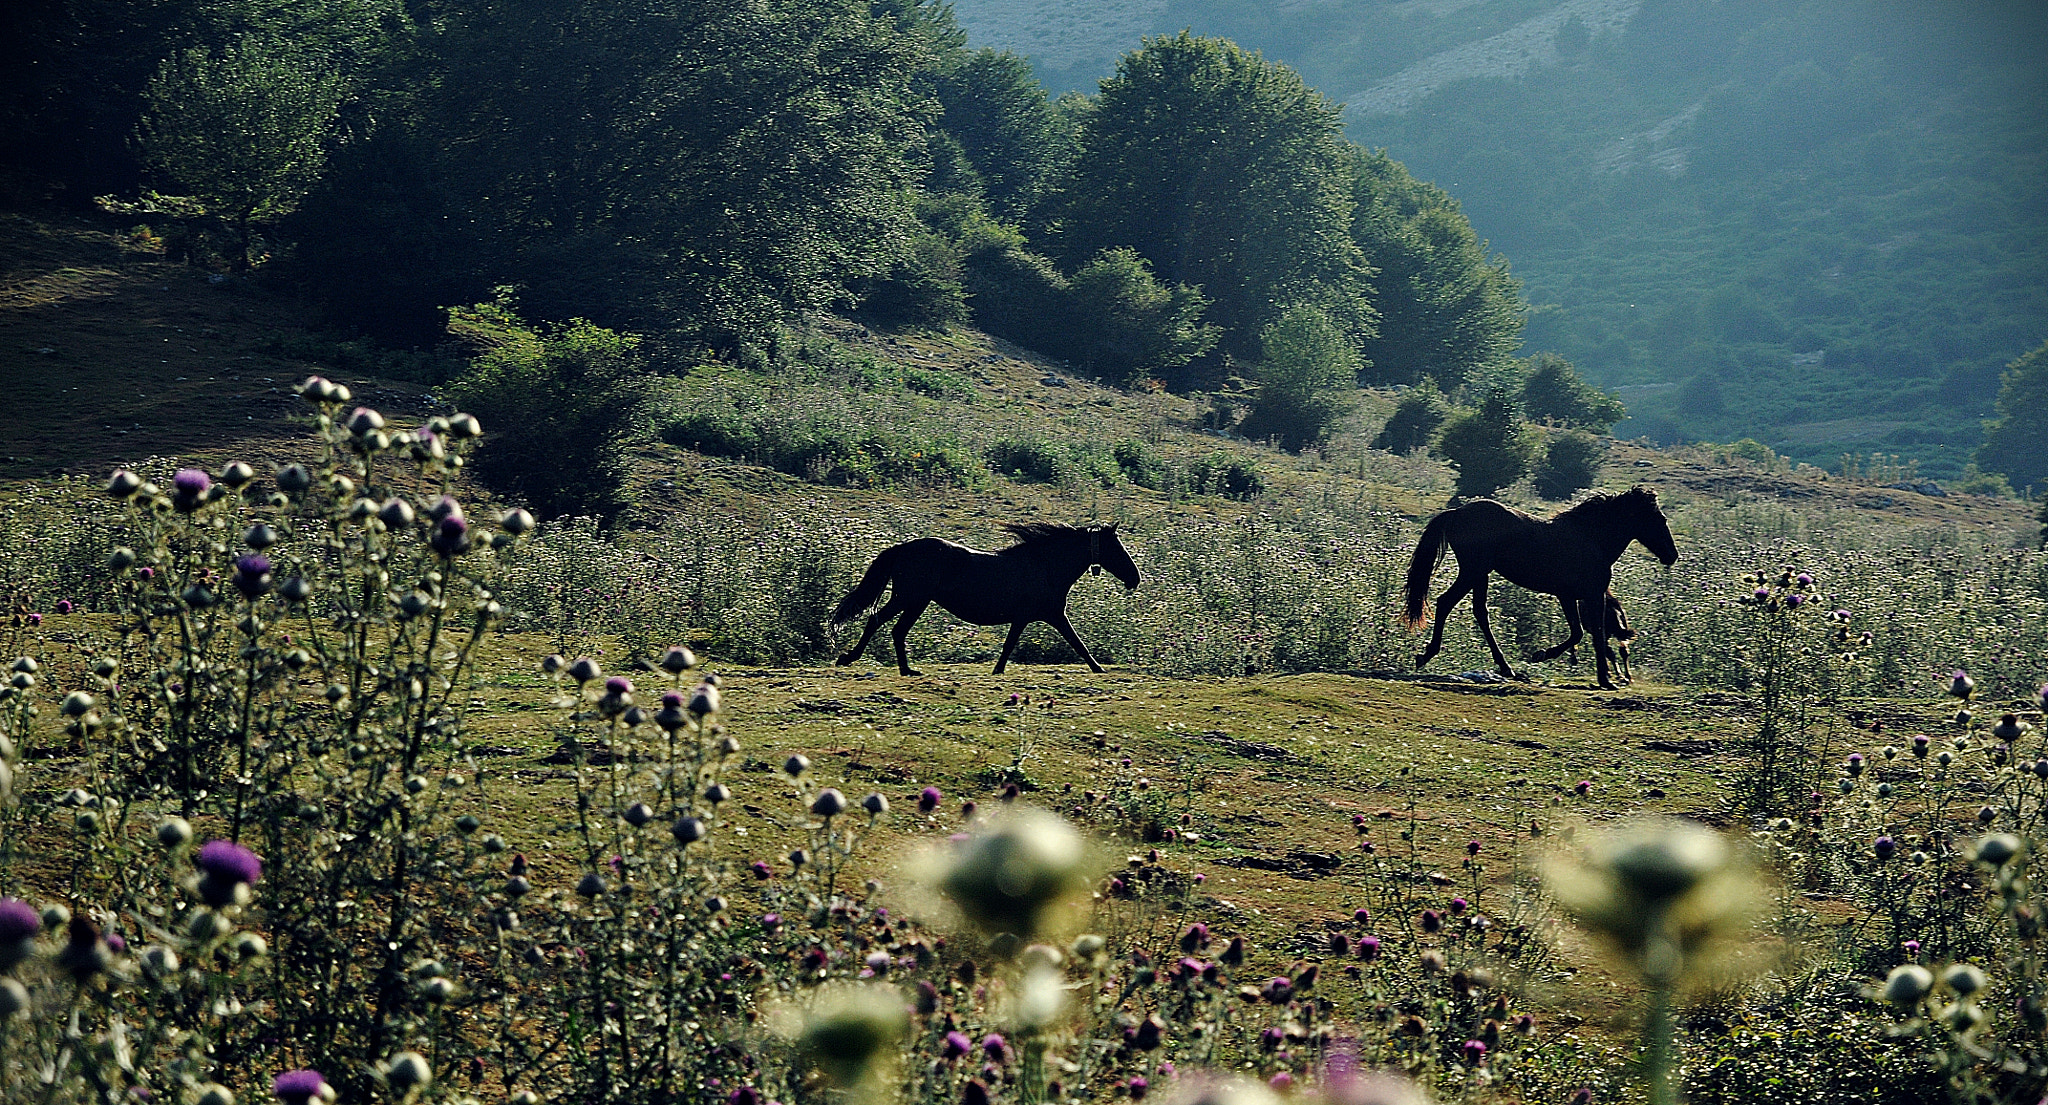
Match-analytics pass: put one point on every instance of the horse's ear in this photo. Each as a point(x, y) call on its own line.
point(1110, 528)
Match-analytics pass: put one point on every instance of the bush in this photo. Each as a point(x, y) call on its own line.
point(1491, 447)
point(1126, 326)
point(1415, 421)
point(1037, 460)
point(1553, 392)
point(1308, 370)
point(564, 401)
point(921, 289)
point(1570, 464)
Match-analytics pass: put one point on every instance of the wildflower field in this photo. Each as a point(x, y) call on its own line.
point(325, 781)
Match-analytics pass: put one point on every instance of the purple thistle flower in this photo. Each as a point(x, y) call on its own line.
point(1281, 1082)
point(1458, 906)
point(64, 606)
point(1362, 915)
point(1139, 1087)
point(1432, 921)
point(297, 1087)
point(1803, 579)
point(226, 860)
point(1277, 990)
point(1885, 848)
point(618, 684)
point(451, 536)
point(955, 1045)
point(1583, 787)
point(1368, 948)
point(18, 921)
point(995, 1047)
point(929, 798)
point(252, 575)
point(191, 482)
point(1472, 847)
point(1795, 600)
point(745, 1095)
point(1475, 1052)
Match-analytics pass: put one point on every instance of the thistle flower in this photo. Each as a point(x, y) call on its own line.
point(450, 536)
point(252, 575)
point(1963, 978)
point(1474, 1053)
point(301, 1087)
point(1907, 984)
point(19, 926)
point(1014, 876)
point(829, 803)
point(516, 522)
point(123, 484)
point(1662, 890)
point(189, 487)
point(227, 870)
point(929, 798)
point(407, 1070)
point(1960, 684)
point(875, 804)
point(1998, 849)
point(852, 1029)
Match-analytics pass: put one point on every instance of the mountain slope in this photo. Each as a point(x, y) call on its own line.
point(1817, 224)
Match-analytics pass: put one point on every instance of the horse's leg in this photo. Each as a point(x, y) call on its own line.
point(889, 610)
point(1486, 629)
point(1571, 619)
point(1445, 603)
point(1010, 644)
point(1059, 621)
point(901, 634)
point(1603, 650)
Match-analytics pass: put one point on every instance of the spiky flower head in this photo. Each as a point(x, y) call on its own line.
point(851, 1030)
point(227, 870)
point(1907, 984)
point(301, 1087)
point(1014, 877)
point(1664, 891)
point(19, 926)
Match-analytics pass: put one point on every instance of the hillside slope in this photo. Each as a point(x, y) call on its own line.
point(1818, 224)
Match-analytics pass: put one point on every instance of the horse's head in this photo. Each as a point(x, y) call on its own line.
point(1105, 550)
point(1649, 524)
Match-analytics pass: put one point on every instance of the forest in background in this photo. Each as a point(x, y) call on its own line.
point(709, 175)
point(1702, 197)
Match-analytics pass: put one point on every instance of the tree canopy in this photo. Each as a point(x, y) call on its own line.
point(1226, 172)
point(2013, 442)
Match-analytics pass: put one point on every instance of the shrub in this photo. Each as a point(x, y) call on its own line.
point(1570, 464)
point(1415, 421)
point(1491, 446)
point(1308, 369)
point(565, 401)
point(1553, 392)
point(1126, 326)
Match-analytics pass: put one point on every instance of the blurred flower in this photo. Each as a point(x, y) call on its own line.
point(20, 924)
point(1960, 684)
point(1907, 984)
point(301, 1087)
point(929, 798)
point(1664, 891)
point(407, 1070)
point(1998, 849)
point(227, 870)
point(851, 1029)
point(1014, 876)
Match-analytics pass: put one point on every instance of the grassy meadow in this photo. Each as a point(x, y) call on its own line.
point(545, 812)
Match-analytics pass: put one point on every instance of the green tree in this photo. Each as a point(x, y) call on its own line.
point(243, 129)
point(1006, 128)
point(1553, 392)
point(707, 164)
point(2016, 442)
point(1128, 326)
point(1570, 464)
point(1308, 367)
point(559, 403)
point(1226, 172)
point(1490, 446)
point(1445, 307)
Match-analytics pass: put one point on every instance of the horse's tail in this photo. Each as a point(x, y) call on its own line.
point(1428, 553)
point(871, 587)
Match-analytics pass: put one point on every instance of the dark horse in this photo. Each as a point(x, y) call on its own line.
point(1571, 556)
point(1027, 582)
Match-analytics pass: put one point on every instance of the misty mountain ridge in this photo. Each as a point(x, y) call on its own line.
point(1816, 224)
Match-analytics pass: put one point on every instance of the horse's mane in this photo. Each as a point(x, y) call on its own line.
point(1601, 504)
point(1034, 533)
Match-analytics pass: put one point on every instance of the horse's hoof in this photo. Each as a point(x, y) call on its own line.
point(912, 671)
point(1421, 662)
point(844, 661)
